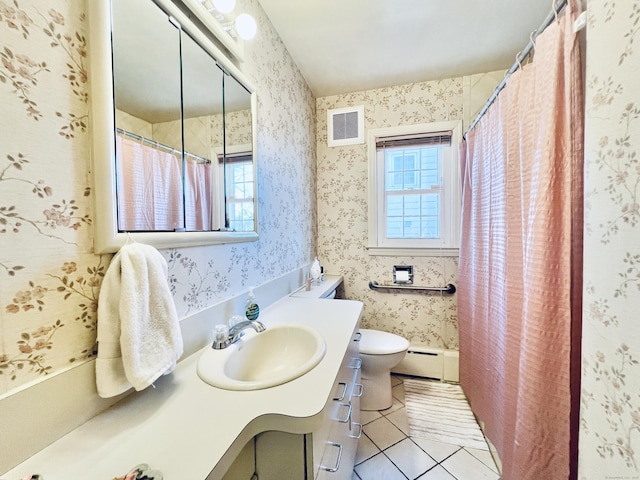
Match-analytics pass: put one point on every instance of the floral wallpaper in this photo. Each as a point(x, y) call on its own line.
point(610, 410)
point(50, 276)
point(343, 216)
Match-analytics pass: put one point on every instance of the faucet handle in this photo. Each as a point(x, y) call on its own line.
point(236, 319)
point(221, 336)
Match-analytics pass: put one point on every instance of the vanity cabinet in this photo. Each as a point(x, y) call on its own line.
point(327, 453)
point(337, 450)
point(190, 430)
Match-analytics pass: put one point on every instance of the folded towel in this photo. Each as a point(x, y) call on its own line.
point(139, 335)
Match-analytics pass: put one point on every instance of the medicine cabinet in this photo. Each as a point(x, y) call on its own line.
point(173, 131)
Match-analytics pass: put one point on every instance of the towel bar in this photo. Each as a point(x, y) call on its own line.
point(375, 286)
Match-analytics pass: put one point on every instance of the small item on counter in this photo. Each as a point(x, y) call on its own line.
point(308, 287)
point(252, 310)
point(316, 272)
point(141, 472)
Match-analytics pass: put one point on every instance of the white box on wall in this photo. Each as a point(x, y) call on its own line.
point(429, 362)
point(451, 366)
point(345, 126)
point(421, 361)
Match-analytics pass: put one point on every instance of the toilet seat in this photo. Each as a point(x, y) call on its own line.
point(375, 342)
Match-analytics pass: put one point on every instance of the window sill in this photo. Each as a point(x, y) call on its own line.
point(413, 252)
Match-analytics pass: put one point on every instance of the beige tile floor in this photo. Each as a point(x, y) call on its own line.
point(386, 451)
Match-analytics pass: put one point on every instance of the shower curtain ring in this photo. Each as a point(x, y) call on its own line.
point(555, 10)
point(533, 38)
point(518, 60)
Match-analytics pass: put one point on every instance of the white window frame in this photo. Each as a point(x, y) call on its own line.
point(449, 243)
point(231, 200)
point(218, 203)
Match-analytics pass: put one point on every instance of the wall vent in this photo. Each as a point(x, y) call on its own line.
point(345, 126)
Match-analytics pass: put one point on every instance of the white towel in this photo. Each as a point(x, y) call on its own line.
point(139, 335)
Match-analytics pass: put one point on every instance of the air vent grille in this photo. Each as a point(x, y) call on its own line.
point(345, 126)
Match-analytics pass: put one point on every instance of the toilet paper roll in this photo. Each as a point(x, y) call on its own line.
point(402, 276)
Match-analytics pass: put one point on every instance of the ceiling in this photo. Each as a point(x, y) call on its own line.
point(344, 46)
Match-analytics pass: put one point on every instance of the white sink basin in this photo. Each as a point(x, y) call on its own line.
point(278, 355)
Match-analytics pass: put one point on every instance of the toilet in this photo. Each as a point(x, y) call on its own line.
point(380, 352)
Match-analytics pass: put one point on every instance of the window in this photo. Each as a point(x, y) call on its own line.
point(238, 181)
point(414, 199)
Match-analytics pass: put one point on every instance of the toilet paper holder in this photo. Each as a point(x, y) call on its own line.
point(403, 274)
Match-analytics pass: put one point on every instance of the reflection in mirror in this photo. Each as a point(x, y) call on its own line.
point(203, 132)
point(238, 166)
point(161, 83)
point(148, 113)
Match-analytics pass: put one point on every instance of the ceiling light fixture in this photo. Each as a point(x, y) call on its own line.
point(224, 6)
point(246, 26)
point(230, 28)
point(242, 25)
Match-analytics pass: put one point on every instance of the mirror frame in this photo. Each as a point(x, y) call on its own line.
point(107, 238)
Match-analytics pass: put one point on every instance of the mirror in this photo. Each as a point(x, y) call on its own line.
point(173, 123)
point(239, 170)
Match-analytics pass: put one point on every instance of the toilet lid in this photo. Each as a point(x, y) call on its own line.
point(375, 342)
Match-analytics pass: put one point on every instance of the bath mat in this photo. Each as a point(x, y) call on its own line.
point(440, 411)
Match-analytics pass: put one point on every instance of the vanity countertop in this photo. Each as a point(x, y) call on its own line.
point(183, 427)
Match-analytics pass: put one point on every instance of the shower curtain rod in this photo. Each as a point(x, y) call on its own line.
point(153, 143)
point(556, 8)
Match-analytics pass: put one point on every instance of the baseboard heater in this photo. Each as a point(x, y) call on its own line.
point(429, 362)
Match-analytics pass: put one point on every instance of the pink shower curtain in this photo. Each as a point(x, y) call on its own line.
point(520, 270)
point(198, 195)
point(149, 187)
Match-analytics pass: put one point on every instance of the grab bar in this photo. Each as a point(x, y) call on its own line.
point(375, 286)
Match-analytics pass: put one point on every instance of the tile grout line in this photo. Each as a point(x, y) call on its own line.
point(406, 435)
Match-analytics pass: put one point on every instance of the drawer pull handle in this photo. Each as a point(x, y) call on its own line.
point(345, 419)
point(356, 363)
point(359, 425)
point(337, 466)
point(344, 391)
point(358, 336)
point(359, 391)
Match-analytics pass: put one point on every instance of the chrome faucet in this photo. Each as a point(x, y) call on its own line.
point(228, 336)
point(237, 331)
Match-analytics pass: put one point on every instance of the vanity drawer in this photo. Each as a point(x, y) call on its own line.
point(328, 453)
point(339, 449)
